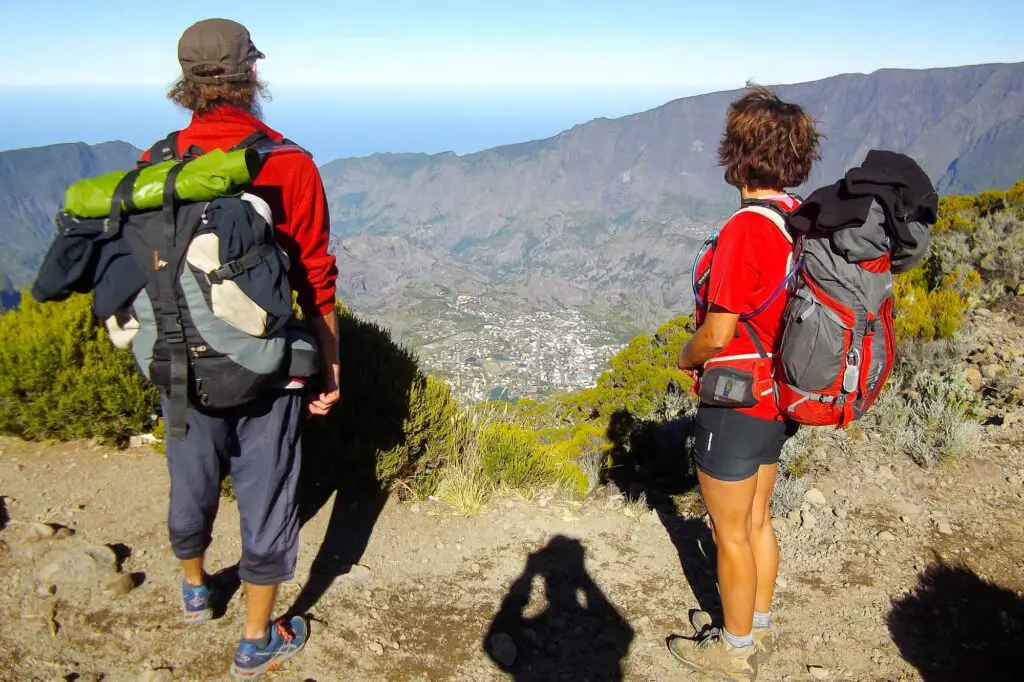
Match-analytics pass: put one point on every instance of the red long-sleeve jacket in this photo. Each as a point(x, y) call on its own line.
point(290, 183)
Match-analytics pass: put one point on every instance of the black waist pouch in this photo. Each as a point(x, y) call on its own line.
point(727, 387)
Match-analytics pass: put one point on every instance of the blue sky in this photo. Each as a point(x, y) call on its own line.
point(710, 44)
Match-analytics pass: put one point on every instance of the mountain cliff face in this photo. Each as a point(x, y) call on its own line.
point(616, 208)
point(32, 184)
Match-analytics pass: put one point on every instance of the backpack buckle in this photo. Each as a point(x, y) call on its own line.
point(171, 326)
point(229, 270)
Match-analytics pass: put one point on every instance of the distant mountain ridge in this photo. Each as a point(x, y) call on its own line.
point(32, 184)
point(614, 207)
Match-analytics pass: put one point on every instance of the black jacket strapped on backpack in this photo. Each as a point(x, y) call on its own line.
point(893, 180)
point(85, 257)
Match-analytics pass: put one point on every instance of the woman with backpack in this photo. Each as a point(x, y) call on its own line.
point(740, 284)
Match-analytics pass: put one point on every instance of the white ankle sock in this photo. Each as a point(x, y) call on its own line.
point(738, 642)
point(762, 620)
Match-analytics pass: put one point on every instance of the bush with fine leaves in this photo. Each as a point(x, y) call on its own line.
point(62, 378)
point(927, 411)
point(976, 253)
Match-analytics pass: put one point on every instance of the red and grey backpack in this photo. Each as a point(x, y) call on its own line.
point(837, 345)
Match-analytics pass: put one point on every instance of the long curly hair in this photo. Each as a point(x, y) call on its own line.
point(200, 98)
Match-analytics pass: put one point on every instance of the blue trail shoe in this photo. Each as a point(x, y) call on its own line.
point(286, 639)
point(196, 604)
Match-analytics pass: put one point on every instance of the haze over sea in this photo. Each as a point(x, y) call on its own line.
point(333, 121)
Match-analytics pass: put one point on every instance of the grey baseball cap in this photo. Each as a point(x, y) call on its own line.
point(216, 51)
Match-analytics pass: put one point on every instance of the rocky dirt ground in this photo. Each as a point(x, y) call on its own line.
point(890, 572)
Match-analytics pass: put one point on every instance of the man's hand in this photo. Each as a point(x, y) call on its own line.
point(326, 330)
point(329, 394)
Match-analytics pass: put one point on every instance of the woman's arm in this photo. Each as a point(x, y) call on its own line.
point(718, 329)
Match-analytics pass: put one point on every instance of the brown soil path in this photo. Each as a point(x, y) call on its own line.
point(595, 587)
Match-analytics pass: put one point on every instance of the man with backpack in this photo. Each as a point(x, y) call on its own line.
point(258, 441)
point(192, 259)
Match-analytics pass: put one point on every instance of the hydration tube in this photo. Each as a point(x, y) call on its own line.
point(693, 270)
point(759, 309)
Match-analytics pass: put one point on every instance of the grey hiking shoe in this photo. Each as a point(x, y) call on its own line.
point(712, 655)
point(764, 638)
point(701, 621)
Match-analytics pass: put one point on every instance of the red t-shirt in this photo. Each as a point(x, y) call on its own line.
point(290, 183)
point(751, 258)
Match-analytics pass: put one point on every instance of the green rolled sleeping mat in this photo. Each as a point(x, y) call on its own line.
point(214, 174)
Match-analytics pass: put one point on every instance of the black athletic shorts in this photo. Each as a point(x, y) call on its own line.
point(731, 445)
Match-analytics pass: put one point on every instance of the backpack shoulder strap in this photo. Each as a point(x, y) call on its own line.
point(167, 150)
point(779, 217)
point(265, 144)
point(163, 150)
point(771, 211)
point(254, 139)
point(768, 209)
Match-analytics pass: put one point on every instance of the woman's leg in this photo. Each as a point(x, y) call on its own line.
point(730, 505)
point(762, 538)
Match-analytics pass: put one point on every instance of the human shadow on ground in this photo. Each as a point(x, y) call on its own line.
point(579, 635)
point(4, 517)
point(651, 460)
point(956, 626)
point(340, 450)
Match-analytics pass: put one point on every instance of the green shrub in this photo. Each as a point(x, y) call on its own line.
point(393, 427)
point(925, 415)
point(798, 465)
point(575, 456)
point(160, 433)
point(62, 378)
point(510, 456)
point(924, 315)
point(433, 432)
point(497, 453)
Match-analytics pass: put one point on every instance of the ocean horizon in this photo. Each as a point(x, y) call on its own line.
point(333, 121)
